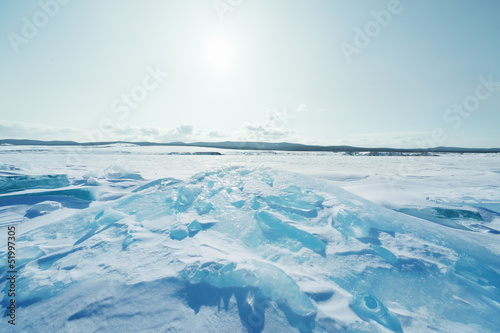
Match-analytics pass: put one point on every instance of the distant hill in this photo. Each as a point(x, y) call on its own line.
point(248, 145)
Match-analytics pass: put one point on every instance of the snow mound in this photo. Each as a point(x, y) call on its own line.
point(42, 208)
point(114, 172)
point(257, 250)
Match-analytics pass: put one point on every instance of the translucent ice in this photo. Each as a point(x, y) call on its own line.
point(350, 225)
point(203, 207)
point(76, 193)
point(271, 281)
point(18, 183)
point(369, 307)
point(478, 276)
point(443, 216)
point(42, 208)
point(179, 233)
point(119, 172)
point(186, 196)
point(194, 227)
point(290, 205)
point(308, 240)
point(157, 183)
point(227, 244)
point(238, 204)
point(128, 240)
point(91, 181)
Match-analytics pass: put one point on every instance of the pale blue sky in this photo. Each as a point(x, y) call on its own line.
point(268, 71)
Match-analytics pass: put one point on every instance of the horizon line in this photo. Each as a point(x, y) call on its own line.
point(250, 145)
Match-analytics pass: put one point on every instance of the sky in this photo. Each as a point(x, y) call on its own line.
point(363, 72)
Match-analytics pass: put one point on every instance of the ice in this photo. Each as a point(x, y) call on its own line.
point(290, 205)
point(445, 216)
point(100, 223)
point(157, 184)
point(127, 241)
point(478, 276)
point(255, 204)
point(369, 307)
point(9, 216)
point(350, 225)
point(203, 207)
point(8, 167)
point(84, 194)
point(271, 282)
point(194, 227)
point(29, 253)
point(239, 203)
point(386, 254)
point(91, 181)
point(114, 172)
point(42, 208)
point(274, 223)
point(268, 179)
point(186, 196)
point(245, 248)
point(10, 184)
point(179, 233)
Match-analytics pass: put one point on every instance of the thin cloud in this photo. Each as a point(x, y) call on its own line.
point(110, 132)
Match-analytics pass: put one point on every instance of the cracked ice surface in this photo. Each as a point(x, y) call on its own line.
point(251, 249)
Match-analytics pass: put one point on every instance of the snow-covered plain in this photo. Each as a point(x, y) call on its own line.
point(159, 239)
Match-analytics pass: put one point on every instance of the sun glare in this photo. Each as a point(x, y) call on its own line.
point(219, 54)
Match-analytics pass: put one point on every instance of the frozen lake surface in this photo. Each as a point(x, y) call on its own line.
point(164, 239)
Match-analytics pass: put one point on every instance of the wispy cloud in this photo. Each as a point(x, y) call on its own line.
point(21, 130)
point(110, 132)
point(265, 132)
point(276, 127)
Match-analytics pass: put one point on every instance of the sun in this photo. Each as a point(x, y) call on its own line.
point(219, 54)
